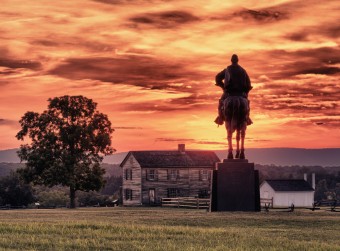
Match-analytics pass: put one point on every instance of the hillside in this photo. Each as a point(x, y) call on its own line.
point(291, 156)
point(274, 156)
point(7, 168)
point(9, 155)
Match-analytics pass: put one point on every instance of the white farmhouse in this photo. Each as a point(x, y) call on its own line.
point(284, 193)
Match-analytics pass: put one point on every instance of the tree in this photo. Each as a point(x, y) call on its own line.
point(321, 190)
point(112, 186)
point(93, 199)
point(68, 142)
point(56, 196)
point(14, 191)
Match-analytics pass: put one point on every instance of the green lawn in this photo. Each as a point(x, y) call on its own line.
point(167, 229)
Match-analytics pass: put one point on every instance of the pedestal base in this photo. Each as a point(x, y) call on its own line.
point(235, 187)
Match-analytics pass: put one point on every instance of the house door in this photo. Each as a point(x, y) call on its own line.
point(151, 196)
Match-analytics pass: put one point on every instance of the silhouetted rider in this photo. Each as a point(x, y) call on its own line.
point(234, 81)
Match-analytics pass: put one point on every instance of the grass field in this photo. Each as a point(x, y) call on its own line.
point(167, 229)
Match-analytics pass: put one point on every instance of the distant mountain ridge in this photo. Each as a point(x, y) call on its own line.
point(9, 156)
point(291, 156)
point(263, 156)
point(273, 156)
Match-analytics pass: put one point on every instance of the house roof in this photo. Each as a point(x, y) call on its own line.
point(174, 158)
point(290, 185)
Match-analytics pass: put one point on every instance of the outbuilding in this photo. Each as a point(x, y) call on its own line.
point(284, 193)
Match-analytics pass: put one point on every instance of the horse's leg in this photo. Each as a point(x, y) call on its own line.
point(243, 135)
point(230, 144)
point(237, 144)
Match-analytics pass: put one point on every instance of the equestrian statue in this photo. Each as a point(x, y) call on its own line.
point(233, 107)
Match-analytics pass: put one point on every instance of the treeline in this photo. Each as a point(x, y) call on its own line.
point(15, 193)
point(110, 169)
point(327, 179)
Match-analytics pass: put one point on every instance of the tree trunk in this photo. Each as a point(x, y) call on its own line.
point(72, 197)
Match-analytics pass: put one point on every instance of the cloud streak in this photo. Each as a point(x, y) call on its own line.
point(140, 71)
point(8, 122)
point(163, 20)
point(261, 16)
point(14, 64)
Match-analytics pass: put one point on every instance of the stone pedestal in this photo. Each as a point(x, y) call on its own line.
point(235, 186)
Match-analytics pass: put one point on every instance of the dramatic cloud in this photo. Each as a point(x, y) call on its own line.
point(321, 70)
point(150, 65)
point(164, 20)
point(12, 63)
point(287, 64)
point(141, 71)
point(261, 15)
point(311, 94)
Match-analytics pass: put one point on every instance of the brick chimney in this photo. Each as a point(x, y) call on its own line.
point(181, 148)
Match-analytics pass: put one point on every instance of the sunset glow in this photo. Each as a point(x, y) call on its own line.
point(151, 64)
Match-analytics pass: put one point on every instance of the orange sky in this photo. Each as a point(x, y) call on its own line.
point(150, 65)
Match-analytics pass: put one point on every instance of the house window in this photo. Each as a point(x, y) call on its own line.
point(151, 174)
point(173, 174)
point(173, 192)
point(203, 193)
point(128, 194)
point(128, 174)
point(204, 174)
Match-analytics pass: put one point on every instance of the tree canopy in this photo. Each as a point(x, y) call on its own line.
point(67, 144)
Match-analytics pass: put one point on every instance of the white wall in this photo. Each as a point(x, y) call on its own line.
point(266, 191)
point(299, 199)
point(285, 199)
point(135, 184)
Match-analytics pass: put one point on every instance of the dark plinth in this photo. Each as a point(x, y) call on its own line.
point(235, 186)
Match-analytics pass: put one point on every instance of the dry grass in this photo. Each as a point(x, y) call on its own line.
point(167, 229)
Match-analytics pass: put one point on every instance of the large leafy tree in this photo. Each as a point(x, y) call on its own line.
point(68, 142)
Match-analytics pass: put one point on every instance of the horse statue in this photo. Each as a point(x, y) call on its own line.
point(235, 110)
